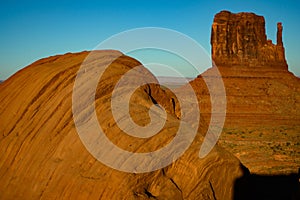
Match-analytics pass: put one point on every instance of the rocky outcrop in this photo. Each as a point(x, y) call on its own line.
point(240, 40)
point(42, 156)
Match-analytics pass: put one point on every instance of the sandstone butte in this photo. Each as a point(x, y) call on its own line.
point(42, 156)
point(263, 98)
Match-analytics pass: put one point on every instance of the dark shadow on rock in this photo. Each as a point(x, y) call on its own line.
point(265, 187)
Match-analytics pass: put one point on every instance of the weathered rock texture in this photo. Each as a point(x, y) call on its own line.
point(240, 39)
point(42, 156)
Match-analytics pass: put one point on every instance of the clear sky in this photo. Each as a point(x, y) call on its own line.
point(31, 30)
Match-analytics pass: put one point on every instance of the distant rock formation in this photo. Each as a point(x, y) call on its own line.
point(261, 94)
point(240, 40)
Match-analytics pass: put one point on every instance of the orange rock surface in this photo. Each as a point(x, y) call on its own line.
point(42, 156)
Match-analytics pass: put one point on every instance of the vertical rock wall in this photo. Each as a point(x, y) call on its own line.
point(240, 40)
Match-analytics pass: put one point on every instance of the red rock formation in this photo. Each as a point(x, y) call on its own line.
point(240, 40)
point(262, 95)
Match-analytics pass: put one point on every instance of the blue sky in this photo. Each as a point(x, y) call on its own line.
point(31, 30)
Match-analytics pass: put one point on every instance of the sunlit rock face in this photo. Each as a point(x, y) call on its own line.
point(42, 156)
point(240, 39)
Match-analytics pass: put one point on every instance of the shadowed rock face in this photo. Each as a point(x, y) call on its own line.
point(240, 39)
point(42, 156)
